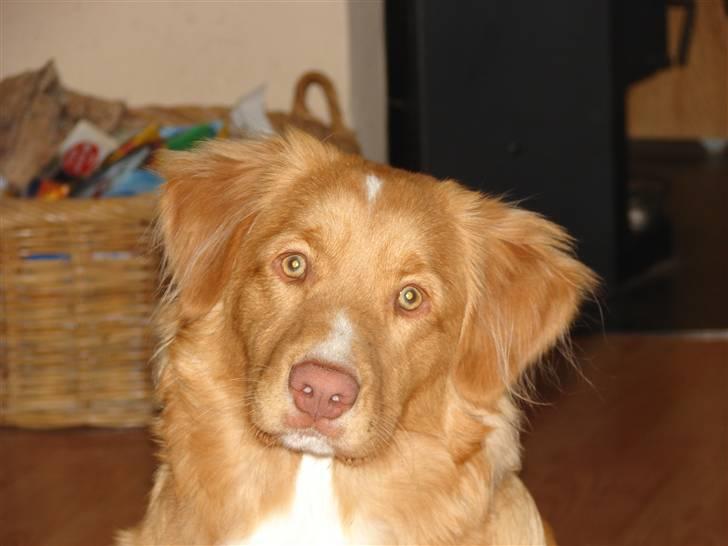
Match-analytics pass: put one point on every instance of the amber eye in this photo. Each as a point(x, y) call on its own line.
point(409, 298)
point(294, 266)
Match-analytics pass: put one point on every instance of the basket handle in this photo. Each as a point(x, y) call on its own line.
point(332, 99)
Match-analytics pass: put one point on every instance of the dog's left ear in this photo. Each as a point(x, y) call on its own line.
point(524, 290)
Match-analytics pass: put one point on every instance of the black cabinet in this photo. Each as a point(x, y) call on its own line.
point(524, 99)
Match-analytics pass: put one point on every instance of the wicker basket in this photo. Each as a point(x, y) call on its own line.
point(78, 284)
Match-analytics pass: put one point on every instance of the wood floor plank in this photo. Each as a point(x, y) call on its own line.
point(640, 455)
point(71, 487)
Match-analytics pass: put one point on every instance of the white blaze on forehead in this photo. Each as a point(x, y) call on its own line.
point(336, 348)
point(373, 185)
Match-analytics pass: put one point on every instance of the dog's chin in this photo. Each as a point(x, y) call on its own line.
point(308, 442)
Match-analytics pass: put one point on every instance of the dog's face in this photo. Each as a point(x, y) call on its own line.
point(349, 287)
point(345, 305)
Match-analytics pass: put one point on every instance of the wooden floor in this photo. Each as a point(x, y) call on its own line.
point(637, 457)
point(640, 455)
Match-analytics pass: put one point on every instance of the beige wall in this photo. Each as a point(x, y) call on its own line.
point(206, 52)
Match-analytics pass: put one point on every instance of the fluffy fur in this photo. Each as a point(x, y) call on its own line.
point(429, 452)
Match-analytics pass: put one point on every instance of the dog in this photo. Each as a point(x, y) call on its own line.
point(342, 342)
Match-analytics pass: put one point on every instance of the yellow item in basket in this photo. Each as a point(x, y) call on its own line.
point(146, 136)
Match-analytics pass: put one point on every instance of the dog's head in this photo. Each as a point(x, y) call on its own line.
point(343, 290)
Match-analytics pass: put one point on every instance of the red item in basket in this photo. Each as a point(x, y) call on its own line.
point(81, 158)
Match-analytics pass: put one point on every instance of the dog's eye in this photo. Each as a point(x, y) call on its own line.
point(409, 298)
point(294, 266)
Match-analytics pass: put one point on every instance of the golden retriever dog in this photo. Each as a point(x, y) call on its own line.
point(341, 345)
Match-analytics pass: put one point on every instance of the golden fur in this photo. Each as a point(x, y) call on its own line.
point(429, 453)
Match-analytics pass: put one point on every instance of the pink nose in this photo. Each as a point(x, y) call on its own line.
point(322, 391)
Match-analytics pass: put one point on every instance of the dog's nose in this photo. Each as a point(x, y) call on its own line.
point(322, 391)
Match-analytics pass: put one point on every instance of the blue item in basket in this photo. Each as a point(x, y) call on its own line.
point(168, 131)
point(133, 183)
point(50, 256)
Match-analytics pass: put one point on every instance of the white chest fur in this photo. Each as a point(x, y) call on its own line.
point(313, 515)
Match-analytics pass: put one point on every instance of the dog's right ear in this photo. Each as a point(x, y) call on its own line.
point(211, 196)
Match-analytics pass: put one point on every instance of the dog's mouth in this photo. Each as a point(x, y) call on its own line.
point(308, 441)
point(323, 438)
point(306, 434)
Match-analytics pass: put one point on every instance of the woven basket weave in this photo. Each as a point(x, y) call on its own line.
point(77, 291)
